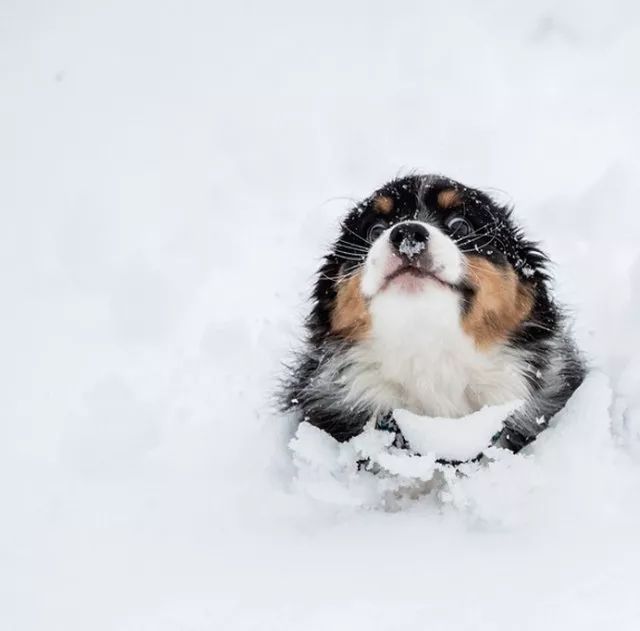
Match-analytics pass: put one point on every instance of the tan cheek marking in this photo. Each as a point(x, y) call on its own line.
point(350, 316)
point(449, 198)
point(502, 302)
point(383, 204)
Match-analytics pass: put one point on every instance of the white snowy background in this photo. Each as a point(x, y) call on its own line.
point(170, 174)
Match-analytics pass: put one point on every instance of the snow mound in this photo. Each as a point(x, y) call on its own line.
point(365, 471)
point(160, 235)
point(368, 471)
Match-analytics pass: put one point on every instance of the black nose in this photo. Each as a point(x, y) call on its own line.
point(409, 238)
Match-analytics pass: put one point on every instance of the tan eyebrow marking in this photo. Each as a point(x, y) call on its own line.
point(383, 204)
point(449, 198)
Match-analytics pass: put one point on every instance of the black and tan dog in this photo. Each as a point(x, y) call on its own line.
point(434, 301)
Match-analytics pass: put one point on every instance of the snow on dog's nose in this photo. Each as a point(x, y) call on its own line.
point(409, 239)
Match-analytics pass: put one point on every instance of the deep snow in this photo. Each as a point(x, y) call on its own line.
point(170, 173)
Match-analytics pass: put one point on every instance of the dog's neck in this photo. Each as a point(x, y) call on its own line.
point(418, 357)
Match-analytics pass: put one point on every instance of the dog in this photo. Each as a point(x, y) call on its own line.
point(432, 300)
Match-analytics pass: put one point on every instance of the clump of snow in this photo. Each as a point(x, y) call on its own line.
point(411, 248)
point(454, 438)
point(365, 471)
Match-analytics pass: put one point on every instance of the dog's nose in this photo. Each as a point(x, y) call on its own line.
point(409, 238)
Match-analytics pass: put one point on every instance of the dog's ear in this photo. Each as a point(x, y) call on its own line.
point(526, 257)
point(531, 261)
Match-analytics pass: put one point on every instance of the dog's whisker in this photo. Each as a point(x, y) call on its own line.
point(342, 277)
point(484, 271)
point(485, 232)
point(346, 246)
point(351, 243)
point(345, 249)
point(349, 256)
point(492, 238)
point(355, 234)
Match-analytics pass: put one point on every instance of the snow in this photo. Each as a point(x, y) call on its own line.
point(411, 248)
point(454, 438)
point(170, 176)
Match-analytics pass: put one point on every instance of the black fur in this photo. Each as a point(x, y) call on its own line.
point(555, 368)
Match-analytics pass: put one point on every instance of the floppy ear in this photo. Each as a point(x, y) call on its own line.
point(532, 262)
point(528, 260)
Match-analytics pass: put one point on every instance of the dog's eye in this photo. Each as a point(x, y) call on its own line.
point(376, 230)
point(459, 227)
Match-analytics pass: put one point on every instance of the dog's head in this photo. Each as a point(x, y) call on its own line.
point(428, 244)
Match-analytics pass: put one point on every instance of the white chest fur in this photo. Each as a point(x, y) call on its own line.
point(419, 358)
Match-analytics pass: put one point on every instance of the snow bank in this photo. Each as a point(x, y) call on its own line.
point(170, 174)
point(367, 471)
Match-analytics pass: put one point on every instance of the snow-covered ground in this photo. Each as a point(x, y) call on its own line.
point(170, 173)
